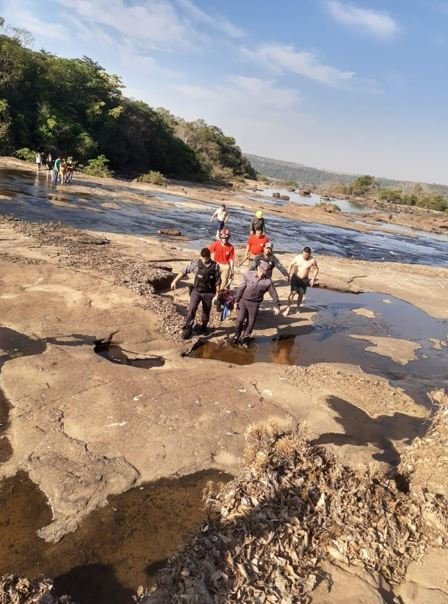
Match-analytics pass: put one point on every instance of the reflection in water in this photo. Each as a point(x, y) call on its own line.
point(115, 550)
point(328, 339)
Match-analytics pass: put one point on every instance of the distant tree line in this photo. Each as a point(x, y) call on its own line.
point(74, 107)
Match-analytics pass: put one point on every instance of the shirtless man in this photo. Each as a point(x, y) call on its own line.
point(222, 216)
point(299, 271)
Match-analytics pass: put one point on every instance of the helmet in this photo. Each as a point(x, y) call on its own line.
point(224, 233)
point(259, 214)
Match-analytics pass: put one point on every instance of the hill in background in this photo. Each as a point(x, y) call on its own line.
point(306, 175)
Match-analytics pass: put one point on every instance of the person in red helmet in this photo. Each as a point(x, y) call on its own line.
point(223, 253)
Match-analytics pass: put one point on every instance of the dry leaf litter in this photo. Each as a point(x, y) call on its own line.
point(17, 590)
point(293, 507)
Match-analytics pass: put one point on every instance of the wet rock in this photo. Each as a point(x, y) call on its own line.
point(170, 232)
point(63, 468)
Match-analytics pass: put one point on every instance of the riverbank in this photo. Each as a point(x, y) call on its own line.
point(379, 216)
point(84, 428)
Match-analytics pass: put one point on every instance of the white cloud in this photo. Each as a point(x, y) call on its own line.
point(37, 27)
point(285, 58)
point(243, 95)
point(377, 23)
point(155, 24)
point(217, 22)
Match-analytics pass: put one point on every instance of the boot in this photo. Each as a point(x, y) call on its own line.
point(187, 332)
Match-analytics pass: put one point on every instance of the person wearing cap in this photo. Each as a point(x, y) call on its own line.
point(257, 222)
point(255, 244)
point(206, 282)
point(270, 260)
point(223, 253)
point(248, 298)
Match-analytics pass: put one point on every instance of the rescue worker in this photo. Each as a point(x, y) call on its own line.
point(207, 280)
point(271, 260)
point(248, 298)
point(257, 222)
point(223, 253)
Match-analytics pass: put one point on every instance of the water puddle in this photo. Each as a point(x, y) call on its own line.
point(116, 549)
point(377, 321)
point(114, 353)
point(12, 345)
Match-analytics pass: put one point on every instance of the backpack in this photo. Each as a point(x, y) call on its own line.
point(205, 280)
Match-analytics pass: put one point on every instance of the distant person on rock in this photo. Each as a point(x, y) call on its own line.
point(223, 253)
point(38, 161)
point(248, 298)
point(206, 282)
point(222, 216)
point(56, 169)
point(255, 244)
point(270, 260)
point(299, 271)
point(257, 222)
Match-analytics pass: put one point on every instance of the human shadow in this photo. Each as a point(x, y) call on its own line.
point(361, 429)
point(93, 584)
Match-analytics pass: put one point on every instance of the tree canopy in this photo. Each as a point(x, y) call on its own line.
point(74, 107)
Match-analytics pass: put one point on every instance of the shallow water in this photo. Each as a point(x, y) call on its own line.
point(345, 205)
point(34, 199)
point(328, 339)
point(115, 550)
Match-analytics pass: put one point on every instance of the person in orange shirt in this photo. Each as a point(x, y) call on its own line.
point(223, 253)
point(255, 244)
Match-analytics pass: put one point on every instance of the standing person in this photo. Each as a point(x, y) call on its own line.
point(38, 161)
point(62, 171)
point(299, 271)
point(206, 281)
point(69, 172)
point(257, 222)
point(223, 253)
point(255, 244)
point(56, 168)
point(248, 298)
point(270, 260)
point(222, 216)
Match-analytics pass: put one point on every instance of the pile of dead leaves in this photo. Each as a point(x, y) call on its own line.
point(17, 590)
point(293, 507)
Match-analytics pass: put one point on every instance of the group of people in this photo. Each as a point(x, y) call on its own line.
point(60, 169)
point(214, 270)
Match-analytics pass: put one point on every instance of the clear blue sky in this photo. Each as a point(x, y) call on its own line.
point(356, 86)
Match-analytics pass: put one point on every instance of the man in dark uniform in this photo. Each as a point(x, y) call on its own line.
point(206, 282)
point(248, 298)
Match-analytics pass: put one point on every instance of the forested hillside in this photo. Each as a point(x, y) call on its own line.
point(305, 175)
point(75, 108)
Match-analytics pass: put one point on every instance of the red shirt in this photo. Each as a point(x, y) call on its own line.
point(256, 244)
point(223, 253)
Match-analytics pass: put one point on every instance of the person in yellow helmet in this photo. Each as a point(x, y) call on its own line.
point(257, 223)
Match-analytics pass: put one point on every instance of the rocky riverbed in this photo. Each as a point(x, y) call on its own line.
point(84, 429)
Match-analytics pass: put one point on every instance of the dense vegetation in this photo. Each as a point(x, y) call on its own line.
point(75, 108)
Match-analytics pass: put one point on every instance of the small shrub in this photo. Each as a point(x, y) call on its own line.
point(98, 167)
point(26, 154)
point(154, 178)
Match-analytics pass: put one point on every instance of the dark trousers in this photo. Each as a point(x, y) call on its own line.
point(196, 298)
point(246, 317)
